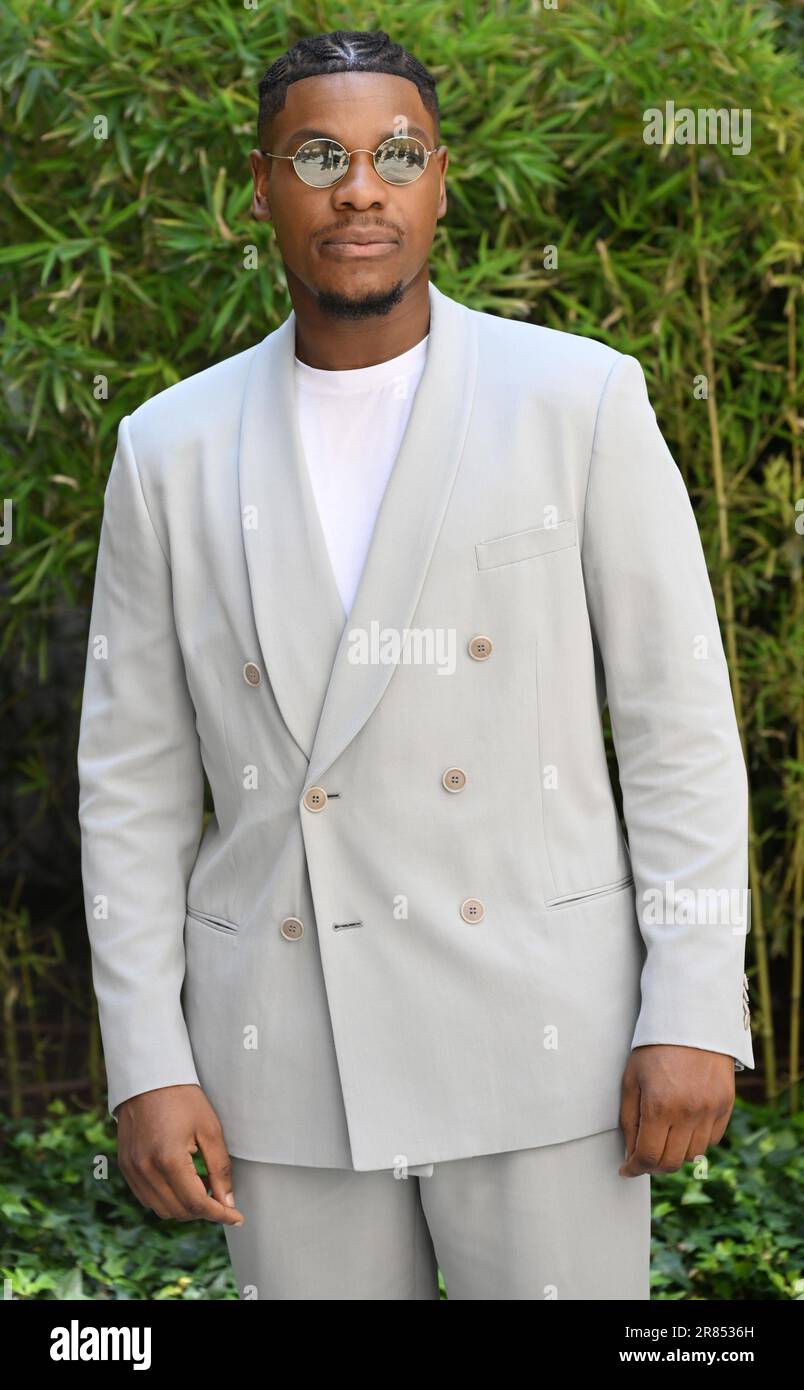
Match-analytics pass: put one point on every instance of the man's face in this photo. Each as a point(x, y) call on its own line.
point(359, 110)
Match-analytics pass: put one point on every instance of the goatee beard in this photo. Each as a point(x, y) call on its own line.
point(365, 306)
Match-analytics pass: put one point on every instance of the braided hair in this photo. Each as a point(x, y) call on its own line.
point(341, 51)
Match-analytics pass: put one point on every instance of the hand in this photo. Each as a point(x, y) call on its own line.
point(157, 1134)
point(675, 1101)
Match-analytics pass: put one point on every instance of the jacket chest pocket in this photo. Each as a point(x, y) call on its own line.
point(526, 545)
point(221, 924)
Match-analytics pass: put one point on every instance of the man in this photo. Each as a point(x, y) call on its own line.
point(413, 994)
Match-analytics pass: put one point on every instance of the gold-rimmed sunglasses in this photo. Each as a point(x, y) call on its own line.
point(322, 162)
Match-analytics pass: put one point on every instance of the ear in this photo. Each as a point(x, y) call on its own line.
point(261, 174)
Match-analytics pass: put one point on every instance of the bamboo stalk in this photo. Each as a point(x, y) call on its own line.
point(721, 496)
point(64, 1039)
point(14, 1089)
point(30, 998)
point(798, 848)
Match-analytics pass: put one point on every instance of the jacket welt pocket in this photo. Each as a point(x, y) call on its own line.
point(526, 545)
point(584, 896)
point(216, 923)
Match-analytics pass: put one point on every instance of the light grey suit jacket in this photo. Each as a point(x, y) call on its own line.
point(413, 929)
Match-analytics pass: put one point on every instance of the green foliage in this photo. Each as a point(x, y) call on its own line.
point(736, 1234)
point(75, 1230)
point(123, 248)
point(736, 1230)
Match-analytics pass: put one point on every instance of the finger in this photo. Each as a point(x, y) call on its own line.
point(219, 1167)
point(700, 1140)
point(154, 1199)
point(648, 1149)
point(720, 1125)
point(144, 1191)
point(189, 1192)
point(162, 1197)
point(674, 1155)
point(629, 1114)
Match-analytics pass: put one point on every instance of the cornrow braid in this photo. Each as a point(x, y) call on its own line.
point(343, 50)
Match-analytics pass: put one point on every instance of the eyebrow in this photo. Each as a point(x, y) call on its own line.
point(307, 133)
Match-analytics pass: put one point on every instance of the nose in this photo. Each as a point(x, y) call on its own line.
point(361, 185)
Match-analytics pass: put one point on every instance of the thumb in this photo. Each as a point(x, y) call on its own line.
point(219, 1169)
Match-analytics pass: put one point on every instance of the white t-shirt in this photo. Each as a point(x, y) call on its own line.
point(351, 425)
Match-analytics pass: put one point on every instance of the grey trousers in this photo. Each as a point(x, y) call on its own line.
point(556, 1222)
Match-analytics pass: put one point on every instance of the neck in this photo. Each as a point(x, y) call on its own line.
point(332, 343)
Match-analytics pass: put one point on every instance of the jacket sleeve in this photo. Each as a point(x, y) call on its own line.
point(681, 766)
point(140, 796)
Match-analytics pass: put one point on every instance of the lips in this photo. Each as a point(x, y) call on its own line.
point(357, 238)
point(359, 246)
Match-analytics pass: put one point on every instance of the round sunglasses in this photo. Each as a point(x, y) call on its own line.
point(322, 162)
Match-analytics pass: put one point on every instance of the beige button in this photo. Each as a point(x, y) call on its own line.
point(292, 928)
point(480, 648)
point(251, 673)
point(315, 798)
point(472, 910)
point(454, 779)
